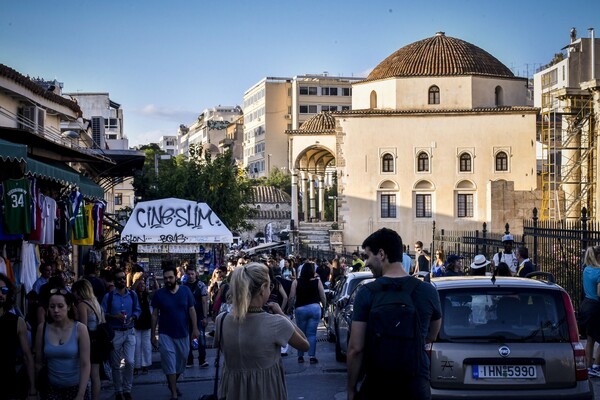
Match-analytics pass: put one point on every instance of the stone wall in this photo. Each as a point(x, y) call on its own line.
point(512, 207)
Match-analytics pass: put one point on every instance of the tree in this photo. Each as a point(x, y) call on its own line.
point(276, 179)
point(198, 177)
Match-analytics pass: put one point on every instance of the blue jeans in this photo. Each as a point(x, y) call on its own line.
point(307, 319)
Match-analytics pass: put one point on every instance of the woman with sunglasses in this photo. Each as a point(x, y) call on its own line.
point(66, 350)
point(253, 369)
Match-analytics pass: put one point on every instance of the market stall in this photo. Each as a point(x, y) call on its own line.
point(175, 230)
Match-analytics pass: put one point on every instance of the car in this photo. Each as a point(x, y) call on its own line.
point(343, 322)
point(505, 338)
point(338, 296)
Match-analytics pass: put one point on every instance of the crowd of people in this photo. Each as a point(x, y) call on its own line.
point(277, 300)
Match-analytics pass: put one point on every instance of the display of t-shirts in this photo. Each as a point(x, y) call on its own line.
point(35, 234)
point(62, 226)
point(48, 219)
point(29, 265)
point(89, 227)
point(16, 196)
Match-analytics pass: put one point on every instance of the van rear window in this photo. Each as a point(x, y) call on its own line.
point(497, 314)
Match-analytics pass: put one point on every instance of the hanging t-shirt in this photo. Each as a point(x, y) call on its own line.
point(89, 227)
point(3, 235)
point(35, 235)
point(98, 215)
point(17, 205)
point(62, 226)
point(48, 219)
point(78, 219)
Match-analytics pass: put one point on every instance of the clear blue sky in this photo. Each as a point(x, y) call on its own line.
point(166, 61)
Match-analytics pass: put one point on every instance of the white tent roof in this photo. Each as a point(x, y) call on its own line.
point(174, 221)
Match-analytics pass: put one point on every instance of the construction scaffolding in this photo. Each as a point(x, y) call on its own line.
point(569, 161)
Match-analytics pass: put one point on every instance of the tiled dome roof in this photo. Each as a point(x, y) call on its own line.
point(269, 194)
point(439, 55)
point(319, 123)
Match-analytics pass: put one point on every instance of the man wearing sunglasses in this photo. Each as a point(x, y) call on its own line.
point(122, 309)
point(13, 336)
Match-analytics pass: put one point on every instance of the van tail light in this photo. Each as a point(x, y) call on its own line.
point(581, 372)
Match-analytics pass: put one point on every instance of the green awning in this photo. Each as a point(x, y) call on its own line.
point(12, 151)
point(58, 172)
point(89, 188)
point(62, 173)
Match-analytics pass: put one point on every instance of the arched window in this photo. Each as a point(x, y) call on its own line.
point(423, 162)
point(434, 95)
point(387, 199)
point(499, 96)
point(501, 162)
point(387, 163)
point(465, 162)
point(373, 103)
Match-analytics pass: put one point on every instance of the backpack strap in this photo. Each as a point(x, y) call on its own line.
point(408, 284)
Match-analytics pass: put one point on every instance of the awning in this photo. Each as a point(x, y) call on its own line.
point(12, 152)
point(264, 247)
point(53, 171)
point(89, 188)
point(60, 172)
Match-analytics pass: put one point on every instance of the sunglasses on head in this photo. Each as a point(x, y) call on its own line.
point(4, 289)
point(58, 290)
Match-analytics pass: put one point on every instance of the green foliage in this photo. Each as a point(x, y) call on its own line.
point(199, 177)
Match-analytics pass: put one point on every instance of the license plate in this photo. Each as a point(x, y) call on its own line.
point(504, 371)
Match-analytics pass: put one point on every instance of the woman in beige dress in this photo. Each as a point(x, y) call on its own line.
point(253, 369)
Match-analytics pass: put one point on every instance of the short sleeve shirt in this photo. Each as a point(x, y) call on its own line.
point(173, 311)
point(591, 279)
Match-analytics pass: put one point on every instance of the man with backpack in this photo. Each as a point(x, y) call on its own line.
point(393, 318)
point(122, 308)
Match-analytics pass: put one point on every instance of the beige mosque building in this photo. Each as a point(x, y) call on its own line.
point(439, 131)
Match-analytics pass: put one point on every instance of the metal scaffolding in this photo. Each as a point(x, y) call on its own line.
point(569, 162)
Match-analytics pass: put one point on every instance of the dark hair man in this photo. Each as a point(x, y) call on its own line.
point(200, 293)
point(13, 336)
point(525, 264)
point(384, 251)
point(122, 308)
point(173, 305)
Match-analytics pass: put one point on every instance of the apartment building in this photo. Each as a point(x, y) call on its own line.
point(277, 104)
point(209, 129)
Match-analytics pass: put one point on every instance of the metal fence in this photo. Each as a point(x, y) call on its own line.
point(557, 247)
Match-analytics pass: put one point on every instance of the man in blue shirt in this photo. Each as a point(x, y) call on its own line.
point(173, 305)
point(122, 308)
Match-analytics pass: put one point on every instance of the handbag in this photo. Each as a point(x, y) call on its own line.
point(42, 384)
point(103, 336)
point(213, 395)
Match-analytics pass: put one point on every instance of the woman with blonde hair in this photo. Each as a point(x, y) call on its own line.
point(253, 369)
point(589, 311)
point(89, 313)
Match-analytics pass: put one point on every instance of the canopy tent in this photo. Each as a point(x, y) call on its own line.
point(174, 221)
point(264, 247)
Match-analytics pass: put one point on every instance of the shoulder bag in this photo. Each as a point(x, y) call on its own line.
point(103, 336)
point(213, 395)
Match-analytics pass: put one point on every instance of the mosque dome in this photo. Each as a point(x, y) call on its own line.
point(439, 55)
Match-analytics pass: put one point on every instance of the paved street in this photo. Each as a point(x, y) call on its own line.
point(325, 380)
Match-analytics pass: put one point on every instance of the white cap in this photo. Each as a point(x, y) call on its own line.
point(508, 238)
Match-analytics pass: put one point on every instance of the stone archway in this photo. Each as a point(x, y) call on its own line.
point(313, 173)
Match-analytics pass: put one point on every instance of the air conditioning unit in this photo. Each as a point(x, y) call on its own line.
point(288, 116)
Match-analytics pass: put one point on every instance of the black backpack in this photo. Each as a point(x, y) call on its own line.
point(394, 344)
